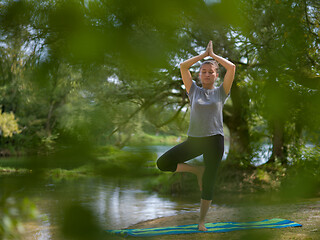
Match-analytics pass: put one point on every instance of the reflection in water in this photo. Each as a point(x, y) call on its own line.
point(44, 233)
point(116, 203)
point(101, 205)
point(124, 206)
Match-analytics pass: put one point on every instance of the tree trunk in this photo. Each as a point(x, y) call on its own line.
point(278, 143)
point(236, 120)
point(48, 123)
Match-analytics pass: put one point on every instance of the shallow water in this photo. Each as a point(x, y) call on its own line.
point(115, 203)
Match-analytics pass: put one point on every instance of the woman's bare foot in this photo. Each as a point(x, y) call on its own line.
point(201, 227)
point(199, 176)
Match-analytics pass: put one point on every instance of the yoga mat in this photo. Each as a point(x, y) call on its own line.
point(212, 227)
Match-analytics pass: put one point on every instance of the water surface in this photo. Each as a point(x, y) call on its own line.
point(115, 203)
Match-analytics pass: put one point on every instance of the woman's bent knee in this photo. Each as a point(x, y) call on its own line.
point(164, 165)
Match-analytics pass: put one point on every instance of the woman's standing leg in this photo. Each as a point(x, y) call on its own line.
point(214, 148)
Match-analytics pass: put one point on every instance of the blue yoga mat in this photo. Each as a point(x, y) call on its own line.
point(212, 227)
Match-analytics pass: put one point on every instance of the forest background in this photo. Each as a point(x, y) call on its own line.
point(81, 79)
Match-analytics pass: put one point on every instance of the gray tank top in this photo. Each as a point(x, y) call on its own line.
point(206, 111)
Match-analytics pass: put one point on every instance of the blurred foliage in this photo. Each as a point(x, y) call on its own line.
point(13, 215)
point(116, 163)
point(154, 139)
point(86, 73)
point(80, 75)
point(80, 223)
point(303, 178)
point(173, 184)
point(8, 125)
point(104, 70)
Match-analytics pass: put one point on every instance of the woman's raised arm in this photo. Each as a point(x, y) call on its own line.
point(229, 66)
point(184, 69)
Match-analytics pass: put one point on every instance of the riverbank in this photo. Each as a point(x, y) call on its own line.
point(286, 183)
point(111, 202)
point(306, 213)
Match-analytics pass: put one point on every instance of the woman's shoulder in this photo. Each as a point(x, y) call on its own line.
point(194, 88)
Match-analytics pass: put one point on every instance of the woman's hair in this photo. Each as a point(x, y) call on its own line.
point(212, 62)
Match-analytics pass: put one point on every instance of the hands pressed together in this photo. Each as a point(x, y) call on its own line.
point(209, 50)
point(229, 66)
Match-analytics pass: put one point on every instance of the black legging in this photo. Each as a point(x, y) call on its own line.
point(211, 147)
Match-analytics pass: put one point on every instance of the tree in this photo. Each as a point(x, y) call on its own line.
point(283, 42)
point(109, 54)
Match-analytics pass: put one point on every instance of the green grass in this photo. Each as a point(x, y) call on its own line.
point(147, 140)
point(9, 170)
point(106, 161)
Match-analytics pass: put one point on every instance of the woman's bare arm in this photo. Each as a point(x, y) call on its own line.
point(184, 69)
point(229, 66)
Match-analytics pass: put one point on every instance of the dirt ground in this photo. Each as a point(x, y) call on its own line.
point(306, 213)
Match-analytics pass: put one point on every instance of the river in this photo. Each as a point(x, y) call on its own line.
point(115, 203)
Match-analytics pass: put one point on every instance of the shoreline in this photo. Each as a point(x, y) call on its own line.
point(306, 213)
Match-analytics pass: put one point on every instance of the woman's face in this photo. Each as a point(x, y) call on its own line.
point(208, 75)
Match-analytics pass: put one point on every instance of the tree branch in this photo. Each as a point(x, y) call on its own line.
point(172, 118)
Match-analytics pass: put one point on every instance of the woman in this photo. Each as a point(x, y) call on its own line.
point(205, 134)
